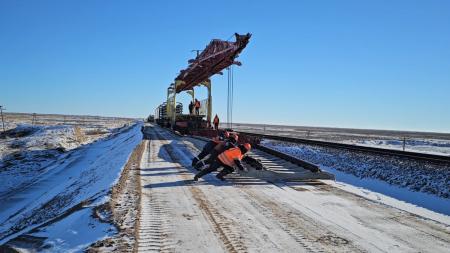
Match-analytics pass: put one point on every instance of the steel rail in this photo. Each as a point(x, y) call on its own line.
point(380, 151)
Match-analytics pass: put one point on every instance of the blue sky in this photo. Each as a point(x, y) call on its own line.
point(361, 64)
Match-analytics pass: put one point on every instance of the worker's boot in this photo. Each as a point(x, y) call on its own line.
point(194, 161)
point(221, 174)
point(200, 174)
point(220, 177)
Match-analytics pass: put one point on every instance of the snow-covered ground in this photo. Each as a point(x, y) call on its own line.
point(74, 233)
point(88, 123)
point(28, 151)
point(423, 142)
point(53, 186)
point(430, 146)
point(63, 208)
point(423, 184)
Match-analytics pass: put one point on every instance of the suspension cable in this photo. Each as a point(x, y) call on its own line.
point(230, 96)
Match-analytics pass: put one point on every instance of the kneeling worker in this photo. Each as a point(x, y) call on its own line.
point(209, 146)
point(228, 160)
point(221, 146)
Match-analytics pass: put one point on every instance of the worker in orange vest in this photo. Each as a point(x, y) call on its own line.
point(197, 107)
point(228, 160)
point(216, 122)
point(221, 146)
point(210, 145)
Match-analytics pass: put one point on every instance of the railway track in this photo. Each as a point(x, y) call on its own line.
point(277, 165)
point(440, 159)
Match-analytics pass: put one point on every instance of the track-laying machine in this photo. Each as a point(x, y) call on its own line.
point(217, 56)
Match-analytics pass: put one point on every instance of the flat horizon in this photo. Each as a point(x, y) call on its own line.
point(243, 123)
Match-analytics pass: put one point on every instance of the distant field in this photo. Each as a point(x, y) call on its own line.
point(25, 132)
point(13, 119)
point(427, 142)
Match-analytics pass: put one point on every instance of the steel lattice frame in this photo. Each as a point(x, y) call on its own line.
point(217, 56)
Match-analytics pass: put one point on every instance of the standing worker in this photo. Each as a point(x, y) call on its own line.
point(197, 107)
point(216, 122)
point(228, 160)
point(191, 108)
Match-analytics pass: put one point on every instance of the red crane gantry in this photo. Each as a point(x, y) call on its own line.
point(217, 56)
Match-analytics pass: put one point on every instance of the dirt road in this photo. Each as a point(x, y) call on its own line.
point(251, 215)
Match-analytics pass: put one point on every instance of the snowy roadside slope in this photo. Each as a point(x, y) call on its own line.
point(30, 151)
point(84, 176)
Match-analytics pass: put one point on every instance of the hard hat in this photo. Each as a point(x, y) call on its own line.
point(223, 135)
point(247, 146)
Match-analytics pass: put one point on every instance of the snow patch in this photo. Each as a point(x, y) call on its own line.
point(420, 183)
point(431, 146)
point(74, 233)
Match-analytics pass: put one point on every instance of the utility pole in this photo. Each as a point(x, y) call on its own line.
point(3, 121)
point(33, 120)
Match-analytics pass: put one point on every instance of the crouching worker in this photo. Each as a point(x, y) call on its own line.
point(221, 146)
point(228, 160)
point(209, 146)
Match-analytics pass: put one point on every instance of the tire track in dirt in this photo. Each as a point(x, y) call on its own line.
point(228, 235)
point(288, 222)
point(314, 236)
point(154, 225)
point(154, 228)
point(432, 229)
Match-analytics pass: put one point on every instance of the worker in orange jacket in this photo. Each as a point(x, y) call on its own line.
point(197, 107)
point(220, 147)
point(228, 160)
